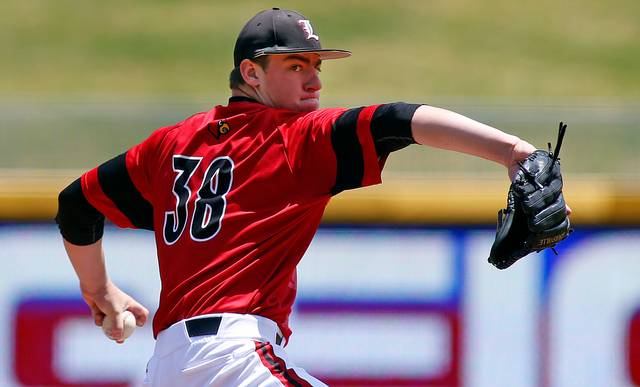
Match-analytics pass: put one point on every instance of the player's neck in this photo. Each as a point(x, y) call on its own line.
point(245, 92)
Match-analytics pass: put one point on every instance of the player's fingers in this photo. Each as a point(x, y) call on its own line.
point(569, 210)
point(117, 327)
point(96, 313)
point(140, 312)
point(98, 319)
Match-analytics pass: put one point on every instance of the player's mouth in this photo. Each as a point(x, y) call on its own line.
point(314, 96)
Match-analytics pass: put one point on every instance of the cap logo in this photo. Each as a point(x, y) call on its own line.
point(308, 30)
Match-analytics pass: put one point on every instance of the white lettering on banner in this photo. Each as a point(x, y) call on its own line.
point(501, 318)
point(400, 293)
point(41, 270)
point(368, 263)
point(595, 289)
point(408, 345)
point(82, 353)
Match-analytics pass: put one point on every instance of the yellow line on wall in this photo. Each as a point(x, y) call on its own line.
point(31, 195)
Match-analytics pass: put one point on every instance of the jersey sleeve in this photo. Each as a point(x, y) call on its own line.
point(332, 150)
point(121, 188)
point(110, 190)
point(106, 191)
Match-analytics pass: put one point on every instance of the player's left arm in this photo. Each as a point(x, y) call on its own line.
point(336, 149)
point(396, 125)
point(448, 130)
point(445, 129)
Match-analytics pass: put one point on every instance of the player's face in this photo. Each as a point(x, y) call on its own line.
point(291, 81)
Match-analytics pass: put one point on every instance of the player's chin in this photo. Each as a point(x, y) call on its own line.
point(309, 104)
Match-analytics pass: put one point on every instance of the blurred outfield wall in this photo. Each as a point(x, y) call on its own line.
point(395, 290)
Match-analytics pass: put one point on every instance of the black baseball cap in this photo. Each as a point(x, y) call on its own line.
point(280, 31)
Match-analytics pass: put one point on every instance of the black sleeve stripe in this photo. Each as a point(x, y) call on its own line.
point(79, 222)
point(344, 138)
point(391, 127)
point(117, 185)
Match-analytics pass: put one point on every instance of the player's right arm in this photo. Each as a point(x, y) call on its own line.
point(103, 298)
point(112, 190)
point(81, 225)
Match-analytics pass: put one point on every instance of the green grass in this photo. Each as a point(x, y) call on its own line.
point(401, 49)
point(76, 77)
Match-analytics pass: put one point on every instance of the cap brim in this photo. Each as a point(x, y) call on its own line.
point(324, 53)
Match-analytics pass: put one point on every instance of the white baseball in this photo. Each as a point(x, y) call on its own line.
point(129, 325)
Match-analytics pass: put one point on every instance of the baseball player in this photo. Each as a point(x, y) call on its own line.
point(235, 195)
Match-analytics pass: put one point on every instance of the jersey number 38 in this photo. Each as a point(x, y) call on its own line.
point(210, 203)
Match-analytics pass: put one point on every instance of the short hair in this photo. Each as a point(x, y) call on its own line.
point(235, 78)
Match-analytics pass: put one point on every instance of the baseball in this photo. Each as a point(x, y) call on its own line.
point(129, 325)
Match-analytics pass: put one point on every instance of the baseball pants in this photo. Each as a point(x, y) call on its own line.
point(223, 350)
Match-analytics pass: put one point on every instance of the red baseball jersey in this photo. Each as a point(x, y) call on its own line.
point(235, 196)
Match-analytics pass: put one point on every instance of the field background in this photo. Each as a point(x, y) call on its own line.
point(82, 81)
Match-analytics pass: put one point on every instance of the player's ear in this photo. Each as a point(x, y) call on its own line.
point(250, 72)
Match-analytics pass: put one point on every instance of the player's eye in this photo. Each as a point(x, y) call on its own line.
point(296, 67)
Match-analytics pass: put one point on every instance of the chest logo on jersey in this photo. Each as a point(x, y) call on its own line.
point(219, 128)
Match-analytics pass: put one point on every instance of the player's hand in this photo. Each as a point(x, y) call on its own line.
point(520, 152)
point(109, 303)
point(536, 216)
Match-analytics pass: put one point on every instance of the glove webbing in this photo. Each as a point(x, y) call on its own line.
point(562, 128)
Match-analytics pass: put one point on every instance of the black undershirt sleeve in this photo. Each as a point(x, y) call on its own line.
point(391, 127)
point(79, 222)
point(82, 224)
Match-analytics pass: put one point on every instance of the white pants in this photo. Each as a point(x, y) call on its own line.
point(242, 351)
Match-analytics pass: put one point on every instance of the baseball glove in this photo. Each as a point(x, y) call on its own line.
point(535, 217)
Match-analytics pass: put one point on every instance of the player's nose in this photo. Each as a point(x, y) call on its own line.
point(313, 84)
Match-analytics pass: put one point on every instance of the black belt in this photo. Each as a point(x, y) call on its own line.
point(207, 326)
point(204, 326)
